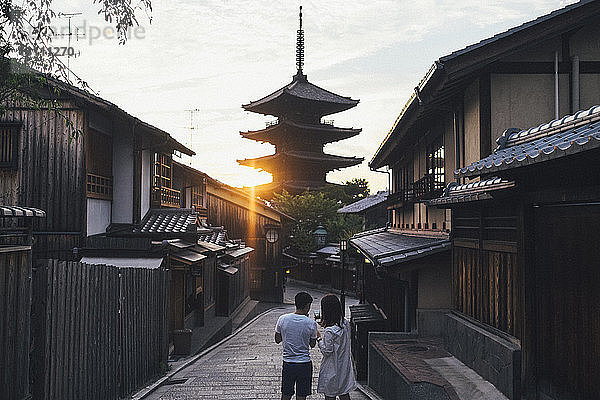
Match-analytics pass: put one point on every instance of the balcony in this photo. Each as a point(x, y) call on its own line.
point(427, 188)
point(99, 187)
point(166, 197)
point(401, 196)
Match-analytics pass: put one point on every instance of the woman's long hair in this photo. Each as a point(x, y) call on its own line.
point(331, 311)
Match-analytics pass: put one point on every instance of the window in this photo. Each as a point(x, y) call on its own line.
point(9, 145)
point(163, 166)
point(198, 197)
point(163, 194)
point(435, 164)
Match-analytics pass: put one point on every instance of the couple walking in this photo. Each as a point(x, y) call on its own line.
point(298, 332)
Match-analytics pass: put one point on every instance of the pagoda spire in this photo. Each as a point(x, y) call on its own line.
point(300, 46)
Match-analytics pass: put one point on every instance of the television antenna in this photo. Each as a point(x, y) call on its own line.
point(192, 128)
point(69, 35)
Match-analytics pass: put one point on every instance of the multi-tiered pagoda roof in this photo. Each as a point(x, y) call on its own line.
point(299, 133)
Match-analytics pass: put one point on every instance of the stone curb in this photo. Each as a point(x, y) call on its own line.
point(143, 393)
point(370, 393)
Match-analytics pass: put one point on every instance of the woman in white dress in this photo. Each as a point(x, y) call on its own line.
point(336, 376)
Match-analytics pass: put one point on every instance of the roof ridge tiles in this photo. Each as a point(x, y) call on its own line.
point(512, 137)
point(542, 143)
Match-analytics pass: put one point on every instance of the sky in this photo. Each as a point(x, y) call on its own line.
point(213, 56)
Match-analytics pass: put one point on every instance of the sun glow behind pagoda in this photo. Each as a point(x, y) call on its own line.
point(299, 133)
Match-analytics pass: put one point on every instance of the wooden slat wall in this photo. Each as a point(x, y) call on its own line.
point(51, 173)
point(487, 278)
point(239, 221)
point(487, 288)
point(15, 301)
point(250, 227)
point(144, 338)
point(99, 331)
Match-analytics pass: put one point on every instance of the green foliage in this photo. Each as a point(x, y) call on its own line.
point(356, 189)
point(350, 192)
point(311, 209)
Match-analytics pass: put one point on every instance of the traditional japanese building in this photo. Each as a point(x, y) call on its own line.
point(299, 133)
point(512, 291)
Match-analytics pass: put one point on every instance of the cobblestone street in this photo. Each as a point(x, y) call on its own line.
point(247, 366)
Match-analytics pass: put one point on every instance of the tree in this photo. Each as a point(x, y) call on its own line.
point(350, 192)
point(311, 209)
point(357, 189)
point(25, 36)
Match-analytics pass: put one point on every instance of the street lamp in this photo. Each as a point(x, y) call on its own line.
point(320, 235)
point(343, 248)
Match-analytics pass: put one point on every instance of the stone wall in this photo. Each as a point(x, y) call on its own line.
point(495, 358)
point(431, 322)
point(389, 383)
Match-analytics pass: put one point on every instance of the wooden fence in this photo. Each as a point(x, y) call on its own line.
point(99, 331)
point(15, 301)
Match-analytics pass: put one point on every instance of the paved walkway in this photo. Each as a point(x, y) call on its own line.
point(247, 366)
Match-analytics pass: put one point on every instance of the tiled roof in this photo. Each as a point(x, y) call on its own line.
point(210, 246)
point(175, 220)
point(513, 30)
point(308, 156)
point(455, 193)
point(324, 132)
point(188, 256)
point(216, 237)
point(364, 204)
point(235, 253)
point(16, 211)
point(329, 250)
point(558, 138)
point(388, 248)
point(301, 88)
point(477, 56)
point(228, 269)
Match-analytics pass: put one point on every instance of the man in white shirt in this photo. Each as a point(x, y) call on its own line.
point(298, 333)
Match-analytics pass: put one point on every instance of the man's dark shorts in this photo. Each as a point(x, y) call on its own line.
point(299, 374)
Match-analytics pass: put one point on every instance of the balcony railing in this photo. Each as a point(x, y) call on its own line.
point(166, 197)
point(402, 195)
point(427, 187)
point(99, 187)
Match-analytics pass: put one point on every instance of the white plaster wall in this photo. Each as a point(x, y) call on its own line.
point(147, 158)
point(98, 215)
point(122, 210)
point(526, 100)
point(471, 121)
point(589, 94)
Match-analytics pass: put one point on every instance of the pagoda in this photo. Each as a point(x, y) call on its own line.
point(299, 133)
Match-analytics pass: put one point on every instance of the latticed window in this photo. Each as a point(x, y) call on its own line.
point(197, 197)
point(9, 145)
point(435, 163)
point(163, 170)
